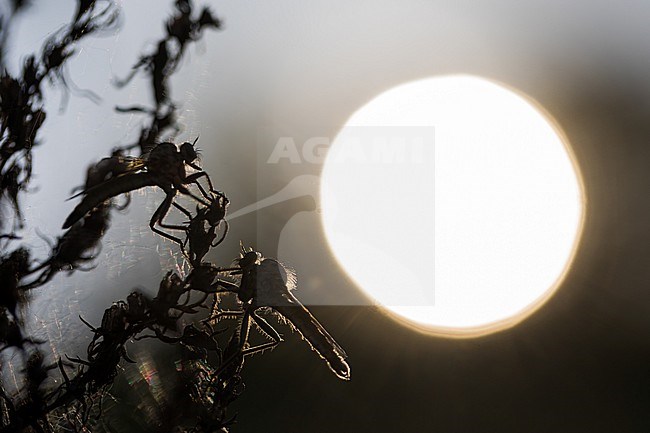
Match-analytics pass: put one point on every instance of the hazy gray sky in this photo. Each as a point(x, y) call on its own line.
point(299, 70)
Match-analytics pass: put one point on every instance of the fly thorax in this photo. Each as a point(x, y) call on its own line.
point(164, 159)
point(271, 283)
point(247, 289)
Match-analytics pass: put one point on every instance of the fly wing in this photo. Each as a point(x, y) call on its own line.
point(114, 166)
point(131, 163)
point(96, 195)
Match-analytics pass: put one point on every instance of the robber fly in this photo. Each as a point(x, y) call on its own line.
point(267, 283)
point(164, 167)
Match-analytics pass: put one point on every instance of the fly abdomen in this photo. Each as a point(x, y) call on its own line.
point(316, 335)
point(96, 195)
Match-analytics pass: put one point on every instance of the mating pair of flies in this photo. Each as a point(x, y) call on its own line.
point(264, 283)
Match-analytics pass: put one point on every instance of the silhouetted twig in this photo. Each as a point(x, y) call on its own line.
point(212, 355)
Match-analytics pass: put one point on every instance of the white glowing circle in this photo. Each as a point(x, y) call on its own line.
point(454, 203)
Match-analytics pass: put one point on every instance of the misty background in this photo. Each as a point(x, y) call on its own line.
point(290, 69)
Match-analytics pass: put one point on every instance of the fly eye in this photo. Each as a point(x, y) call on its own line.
point(187, 152)
point(250, 258)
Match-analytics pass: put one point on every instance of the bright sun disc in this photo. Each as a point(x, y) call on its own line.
point(454, 203)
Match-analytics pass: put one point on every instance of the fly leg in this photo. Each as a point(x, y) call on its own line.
point(182, 209)
point(158, 216)
point(188, 214)
point(230, 287)
point(266, 329)
point(174, 226)
point(162, 211)
point(194, 178)
point(186, 191)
